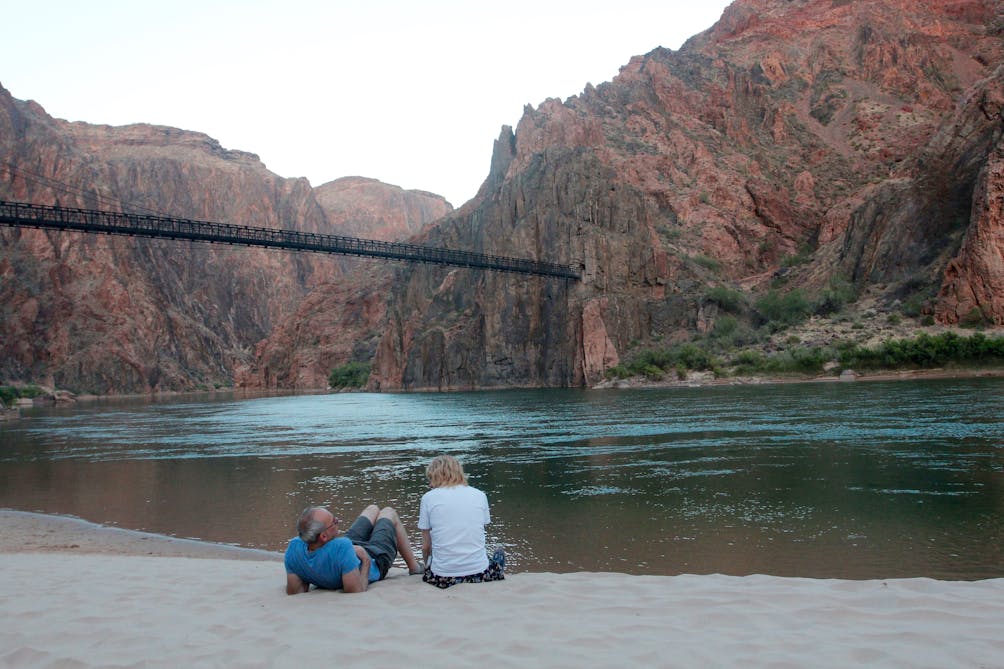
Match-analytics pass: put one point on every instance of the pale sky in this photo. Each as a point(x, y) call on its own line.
point(411, 93)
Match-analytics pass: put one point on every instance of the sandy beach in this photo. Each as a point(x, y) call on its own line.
point(75, 594)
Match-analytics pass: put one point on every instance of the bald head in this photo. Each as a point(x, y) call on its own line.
point(313, 521)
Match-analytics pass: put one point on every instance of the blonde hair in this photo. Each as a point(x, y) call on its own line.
point(445, 471)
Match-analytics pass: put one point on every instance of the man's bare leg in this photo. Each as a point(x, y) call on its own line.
point(403, 545)
point(371, 512)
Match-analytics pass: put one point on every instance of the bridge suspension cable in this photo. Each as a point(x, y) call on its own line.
point(21, 214)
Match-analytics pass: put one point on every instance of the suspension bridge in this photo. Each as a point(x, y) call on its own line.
point(21, 214)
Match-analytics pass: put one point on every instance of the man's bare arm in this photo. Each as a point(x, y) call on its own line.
point(295, 585)
point(358, 579)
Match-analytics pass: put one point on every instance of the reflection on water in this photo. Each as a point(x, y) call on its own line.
point(830, 480)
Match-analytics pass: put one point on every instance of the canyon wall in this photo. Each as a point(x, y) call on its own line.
point(796, 143)
point(100, 314)
point(858, 135)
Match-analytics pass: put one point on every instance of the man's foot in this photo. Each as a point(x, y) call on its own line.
point(419, 570)
point(498, 557)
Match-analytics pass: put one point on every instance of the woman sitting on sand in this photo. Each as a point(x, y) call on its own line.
point(452, 518)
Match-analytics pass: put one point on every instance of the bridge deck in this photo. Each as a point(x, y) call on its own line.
point(20, 214)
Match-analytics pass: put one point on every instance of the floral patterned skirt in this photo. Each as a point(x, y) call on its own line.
point(495, 572)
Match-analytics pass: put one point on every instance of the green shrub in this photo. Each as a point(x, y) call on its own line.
point(652, 373)
point(693, 357)
point(811, 360)
point(708, 263)
point(926, 351)
point(654, 363)
point(661, 358)
point(350, 375)
point(799, 258)
point(923, 351)
point(913, 306)
point(8, 394)
point(839, 293)
point(781, 310)
point(617, 372)
point(753, 358)
point(780, 363)
point(725, 327)
point(749, 362)
point(732, 301)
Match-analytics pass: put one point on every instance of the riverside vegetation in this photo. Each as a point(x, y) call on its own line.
point(10, 394)
point(924, 351)
point(350, 375)
point(760, 338)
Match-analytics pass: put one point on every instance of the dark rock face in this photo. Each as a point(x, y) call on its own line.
point(973, 286)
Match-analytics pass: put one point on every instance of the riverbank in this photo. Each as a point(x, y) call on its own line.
point(75, 594)
point(814, 333)
point(692, 380)
point(698, 379)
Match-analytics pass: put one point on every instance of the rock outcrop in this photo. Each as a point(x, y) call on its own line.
point(973, 288)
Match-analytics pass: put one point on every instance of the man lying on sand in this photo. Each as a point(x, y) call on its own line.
point(320, 557)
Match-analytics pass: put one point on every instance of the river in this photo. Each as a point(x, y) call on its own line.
point(841, 480)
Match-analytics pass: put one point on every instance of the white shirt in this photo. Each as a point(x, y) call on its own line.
point(456, 517)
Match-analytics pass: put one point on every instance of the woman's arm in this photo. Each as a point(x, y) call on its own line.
point(426, 546)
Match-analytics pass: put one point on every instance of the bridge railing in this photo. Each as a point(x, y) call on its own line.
point(146, 225)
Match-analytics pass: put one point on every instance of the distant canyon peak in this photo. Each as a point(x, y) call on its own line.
point(863, 139)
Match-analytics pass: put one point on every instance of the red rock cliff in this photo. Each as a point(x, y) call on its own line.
point(853, 131)
point(114, 314)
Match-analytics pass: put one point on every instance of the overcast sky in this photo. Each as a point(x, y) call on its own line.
point(410, 93)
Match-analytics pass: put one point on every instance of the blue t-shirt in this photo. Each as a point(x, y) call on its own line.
point(325, 566)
